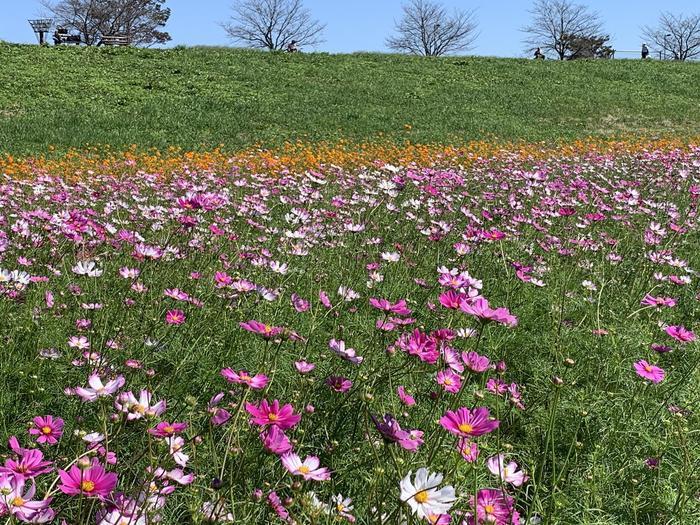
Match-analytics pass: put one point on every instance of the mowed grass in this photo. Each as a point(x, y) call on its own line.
point(197, 98)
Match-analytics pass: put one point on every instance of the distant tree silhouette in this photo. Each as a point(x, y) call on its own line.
point(556, 24)
point(427, 28)
point(676, 35)
point(273, 24)
point(141, 20)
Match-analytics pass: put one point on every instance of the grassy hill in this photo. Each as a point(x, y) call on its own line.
point(201, 97)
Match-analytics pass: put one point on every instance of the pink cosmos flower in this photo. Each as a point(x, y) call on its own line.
point(405, 398)
point(17, 501)
point(680, 334)
point(419, 344)
point(256, 382)
point(475, 362)
point(658, 302)
point(90, 482)
point(175, 317)
point(275, 440)
point(348, 354)
point(272, 414)
point(325, 301)
point(175, 446)
point(392, 432)
point(480, 309)
point(99, 389)
point(468, 423)
point(303, 367)
point(399, 308)
point(308, 469)
point(339, 384)
point(648, 371)
point(506, 472)
point(47, 428)
point(219, 416)
point(265, 330)
point(164, 429)
point(299, 304)
point(449, 381)
point(468, 449)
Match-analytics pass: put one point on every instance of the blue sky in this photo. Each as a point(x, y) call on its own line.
point(362, 25)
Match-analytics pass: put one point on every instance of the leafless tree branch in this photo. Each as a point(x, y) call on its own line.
point(677, 35)
point(426, 28)
point(554, 20)
point(273, 24)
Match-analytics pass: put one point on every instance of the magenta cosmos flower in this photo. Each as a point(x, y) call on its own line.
point(272, 414)
point(256, 382)
point(469, 423)
point(47, 429)
point(164, 429)
point(308, 469)
point(658, 302)
point(680, 334)
point(29, 462)
point(648, 371)
point(339, 384)
point(275, 440)
point(405, 398)
point(175, 317)
point(265, 330)
point(494, 506)
point(480, 309)
point(93, 481)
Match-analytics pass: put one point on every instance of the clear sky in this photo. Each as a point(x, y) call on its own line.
point(362, 25)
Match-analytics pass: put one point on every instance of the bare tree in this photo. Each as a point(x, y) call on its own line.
point(273, 24)
point(141, 20)
point(427, 28)
point(676, 35)
point(555, 22)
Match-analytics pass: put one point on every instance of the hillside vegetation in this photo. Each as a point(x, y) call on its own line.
point(201, 97)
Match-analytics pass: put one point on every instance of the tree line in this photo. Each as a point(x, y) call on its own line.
point(562, 28)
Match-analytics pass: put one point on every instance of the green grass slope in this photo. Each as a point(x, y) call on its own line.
point(201, 97)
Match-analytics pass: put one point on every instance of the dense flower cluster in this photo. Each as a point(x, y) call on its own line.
point(374, 345)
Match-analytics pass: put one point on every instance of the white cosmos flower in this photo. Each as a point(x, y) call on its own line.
point(87, 268)
point(423, 496)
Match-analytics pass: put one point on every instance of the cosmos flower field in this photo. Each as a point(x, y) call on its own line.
point(507, 340)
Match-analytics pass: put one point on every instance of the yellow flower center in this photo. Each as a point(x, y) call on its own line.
point(647, 368)
point(447, 381)
point(273, 417)
point(139, 409)
point(466, 428)
point(87, 486)
point(46, 430)
point(340, 507)
point(169, 429)
point(303, 469)
point(488, 509)
point(17, 502)
point(421, 497)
